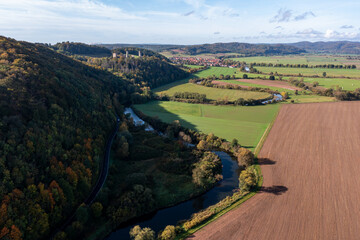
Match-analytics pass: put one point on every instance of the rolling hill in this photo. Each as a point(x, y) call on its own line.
point(51, 142)
point(340, 47)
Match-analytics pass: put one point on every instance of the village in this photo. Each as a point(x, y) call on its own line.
point(209, 62)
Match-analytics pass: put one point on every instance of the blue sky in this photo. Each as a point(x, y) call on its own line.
point(179, 21)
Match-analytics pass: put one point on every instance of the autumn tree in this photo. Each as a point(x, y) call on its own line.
point(284, 95)
point(248, 178)
point(15, 233)
point(245, 157)
point(169, 233)
point(138, 233)
point(202, 145)
point(208, 170)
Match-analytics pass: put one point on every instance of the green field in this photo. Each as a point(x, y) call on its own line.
point(247, 124)
point(300, 59)
point(193, 66)
point(256, 85)
point(217, 71)
point(340, 73)
point(300, 98)
point(309, 98)
point(345, 83)
point(211, 93)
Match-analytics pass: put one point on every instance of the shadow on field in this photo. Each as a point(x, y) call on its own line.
point(154, 109)
point(276, 190)
point(266, 161)
point(176, 83)
point(249, 147)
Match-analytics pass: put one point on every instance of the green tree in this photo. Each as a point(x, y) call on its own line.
point(60, 236)
point(82, 214)
point(234, 142)
point(96, 209)
point(315, 84)
point(324, 74)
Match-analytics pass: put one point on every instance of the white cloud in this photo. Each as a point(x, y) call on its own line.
point(286, 15)
point(332, 34)
point(68, 8)
point(283, 15)
point(347, 26)
point(310, 33)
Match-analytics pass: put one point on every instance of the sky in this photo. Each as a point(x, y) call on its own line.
point(180, 21)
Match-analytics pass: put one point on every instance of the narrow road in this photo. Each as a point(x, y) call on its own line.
point(105, 166)
point(104, 170)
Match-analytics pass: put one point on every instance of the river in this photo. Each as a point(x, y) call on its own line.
point(171, 215)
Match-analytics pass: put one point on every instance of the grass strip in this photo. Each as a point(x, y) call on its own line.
point(246, 196)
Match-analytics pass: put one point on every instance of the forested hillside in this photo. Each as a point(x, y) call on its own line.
point(81, 49)
point(243, 48)
point(55, 115)
point(147, 71)
point(135, 51)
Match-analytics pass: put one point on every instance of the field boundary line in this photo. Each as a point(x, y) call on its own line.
point(246, 196)
point(266, 133)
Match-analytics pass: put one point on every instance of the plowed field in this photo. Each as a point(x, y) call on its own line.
point(311, 167)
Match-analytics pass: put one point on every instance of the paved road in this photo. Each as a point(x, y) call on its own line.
point(104, 170)
point(105, 166)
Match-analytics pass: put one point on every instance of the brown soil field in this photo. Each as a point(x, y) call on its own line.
point(270, 83)
point(310, 163)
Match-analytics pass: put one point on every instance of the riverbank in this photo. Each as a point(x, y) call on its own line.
point(182, 211)
point(177, 200)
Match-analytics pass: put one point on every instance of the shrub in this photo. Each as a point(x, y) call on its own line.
point(138, 233)
point(245, 157)
point(169, 233)
point(248, 179)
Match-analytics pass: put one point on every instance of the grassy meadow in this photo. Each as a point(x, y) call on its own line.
point(217, 71)
point(300, 59)
point(331, 72)
point(344, 83)
point(247, 124)
point(212, 93)
point(256, 85)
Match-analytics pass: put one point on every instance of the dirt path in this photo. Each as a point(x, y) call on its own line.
point(311, 165)
point(270, 83)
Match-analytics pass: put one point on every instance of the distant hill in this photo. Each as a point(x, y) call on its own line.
point(243, 48)
point(341, 47)
point(152, 47)
point(81, 49)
